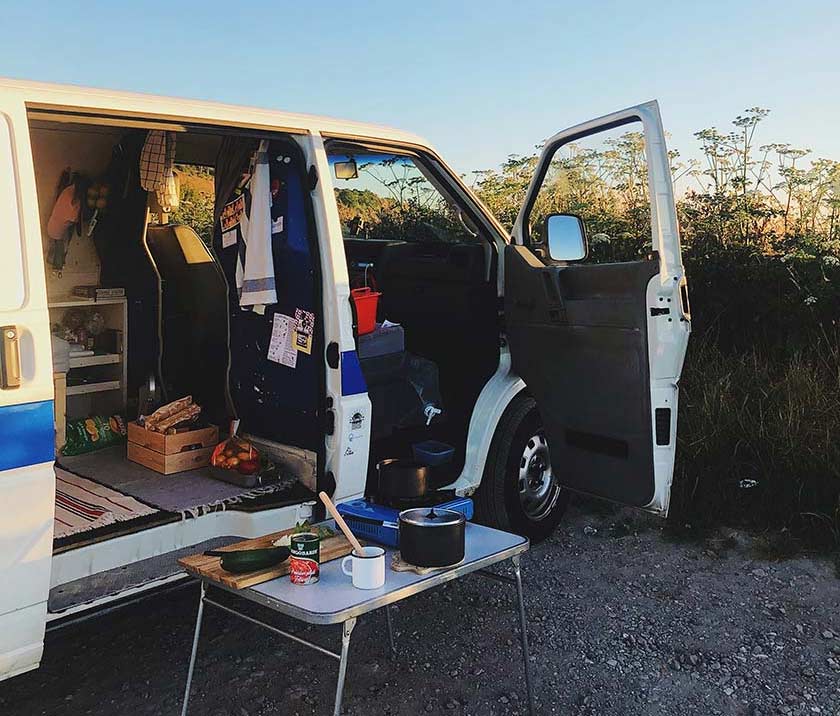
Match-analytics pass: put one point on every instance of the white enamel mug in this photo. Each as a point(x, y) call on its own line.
point(366, 569)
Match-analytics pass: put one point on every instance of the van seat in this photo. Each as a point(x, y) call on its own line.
point(384, 340)
point(192, 312)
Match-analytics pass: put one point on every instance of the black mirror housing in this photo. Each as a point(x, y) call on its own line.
point(346, 170)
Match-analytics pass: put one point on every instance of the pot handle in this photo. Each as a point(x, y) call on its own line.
point(348, 572)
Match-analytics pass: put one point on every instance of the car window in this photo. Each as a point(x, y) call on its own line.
point(392, 196)
point(12, 288)
point(602, 179)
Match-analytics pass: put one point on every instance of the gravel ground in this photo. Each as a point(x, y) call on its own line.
point(621, 620)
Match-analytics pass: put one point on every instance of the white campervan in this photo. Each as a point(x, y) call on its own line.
point(499, 347)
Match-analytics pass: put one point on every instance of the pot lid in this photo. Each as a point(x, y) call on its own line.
point(431, 517)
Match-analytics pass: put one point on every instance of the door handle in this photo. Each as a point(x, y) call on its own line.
point(10, 358)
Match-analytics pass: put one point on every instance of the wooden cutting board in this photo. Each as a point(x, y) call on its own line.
point(210, 567)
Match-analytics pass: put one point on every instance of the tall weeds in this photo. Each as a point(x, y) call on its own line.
point(758, 440)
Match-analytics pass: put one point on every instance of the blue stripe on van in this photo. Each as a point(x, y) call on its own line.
point(352, 380)
point(27, 434)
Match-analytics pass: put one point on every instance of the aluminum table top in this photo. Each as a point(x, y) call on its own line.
point(333, 599)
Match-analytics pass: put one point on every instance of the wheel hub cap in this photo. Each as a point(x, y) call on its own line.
point(538, 487)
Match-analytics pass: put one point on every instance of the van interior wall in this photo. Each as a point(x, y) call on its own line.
point(114, 256)
point(275, 400)
point(84, 149)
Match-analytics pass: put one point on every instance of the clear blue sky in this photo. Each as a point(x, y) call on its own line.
point(481, 80)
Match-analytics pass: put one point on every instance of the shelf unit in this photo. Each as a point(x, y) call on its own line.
point(105, 390)
point(96, 359)
point(76, 301)
point(100, 387)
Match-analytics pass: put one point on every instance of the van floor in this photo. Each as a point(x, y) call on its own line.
point(175, 497)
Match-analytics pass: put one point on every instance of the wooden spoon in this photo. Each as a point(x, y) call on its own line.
point(339, 520)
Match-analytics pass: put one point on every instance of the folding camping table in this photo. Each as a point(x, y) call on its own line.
point(334, 600)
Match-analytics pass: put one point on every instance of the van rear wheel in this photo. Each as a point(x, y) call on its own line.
point(519, 490)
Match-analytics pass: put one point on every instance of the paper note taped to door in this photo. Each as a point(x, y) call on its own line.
point(281, 348)
point(304, 328)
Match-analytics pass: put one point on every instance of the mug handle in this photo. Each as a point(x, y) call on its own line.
point(344, 562)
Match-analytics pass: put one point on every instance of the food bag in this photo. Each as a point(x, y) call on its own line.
point(93, 433)
point(237, 454)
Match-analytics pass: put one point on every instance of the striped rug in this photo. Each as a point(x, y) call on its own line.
point(82, 505)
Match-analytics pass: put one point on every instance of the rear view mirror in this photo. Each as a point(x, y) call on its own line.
point(346, 170)
point(566, 237)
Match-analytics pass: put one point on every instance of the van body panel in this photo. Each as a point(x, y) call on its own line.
point(68, 99)
point(494, 399)
point(348, 443)
point(27, 480)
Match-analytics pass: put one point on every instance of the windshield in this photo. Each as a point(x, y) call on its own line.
point(392, 196)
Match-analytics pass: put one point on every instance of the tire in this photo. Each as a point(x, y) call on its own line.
point(498, 501)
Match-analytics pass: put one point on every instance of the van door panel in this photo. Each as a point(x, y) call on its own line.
point(578, 338)
point(602, 366)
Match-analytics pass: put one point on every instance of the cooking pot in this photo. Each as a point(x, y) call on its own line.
point(432, 537)
point(400, 478)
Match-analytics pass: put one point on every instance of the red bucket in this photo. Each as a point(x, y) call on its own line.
point(366, 300)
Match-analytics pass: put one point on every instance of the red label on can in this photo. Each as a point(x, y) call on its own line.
point(305, 557)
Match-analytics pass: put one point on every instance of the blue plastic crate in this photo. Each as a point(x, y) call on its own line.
point(377, 523)
point(432, 453)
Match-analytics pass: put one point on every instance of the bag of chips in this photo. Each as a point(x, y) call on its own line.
point(93, 433)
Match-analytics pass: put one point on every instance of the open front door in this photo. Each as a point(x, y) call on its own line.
point(600, 345)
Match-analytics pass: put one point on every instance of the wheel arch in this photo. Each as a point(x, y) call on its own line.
point(495, 398)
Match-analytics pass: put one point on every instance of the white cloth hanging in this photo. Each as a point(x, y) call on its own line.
point(255, 259)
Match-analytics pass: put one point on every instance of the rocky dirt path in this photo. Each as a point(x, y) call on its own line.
point(622, 621)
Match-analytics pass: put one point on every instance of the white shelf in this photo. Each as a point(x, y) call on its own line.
point(93, 387)
point(71, 301)
point(100, 359)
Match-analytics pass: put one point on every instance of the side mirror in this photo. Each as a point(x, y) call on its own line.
point(346, 170)
point(566, 237)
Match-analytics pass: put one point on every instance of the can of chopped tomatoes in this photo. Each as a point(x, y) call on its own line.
point(305, 558)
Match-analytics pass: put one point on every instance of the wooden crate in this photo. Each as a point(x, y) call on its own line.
point(168, 454)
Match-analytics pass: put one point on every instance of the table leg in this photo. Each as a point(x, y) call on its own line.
point(524, 630)
point(194, 650)
point(391, 641)
point(346, 631)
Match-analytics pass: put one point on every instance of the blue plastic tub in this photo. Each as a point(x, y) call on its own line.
point(432, 453)
point(381, 524)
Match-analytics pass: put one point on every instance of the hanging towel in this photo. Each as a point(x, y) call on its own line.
point(64, 214)
point(157, 162)
point(255, 259)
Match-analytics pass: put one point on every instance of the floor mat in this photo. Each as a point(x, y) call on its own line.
point(191, 493)
point(82, 505)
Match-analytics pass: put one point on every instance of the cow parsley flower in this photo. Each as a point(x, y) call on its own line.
point(810, 300)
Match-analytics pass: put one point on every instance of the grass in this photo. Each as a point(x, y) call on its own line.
point(758, 443)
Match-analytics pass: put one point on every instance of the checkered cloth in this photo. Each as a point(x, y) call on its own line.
point(157, 160)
